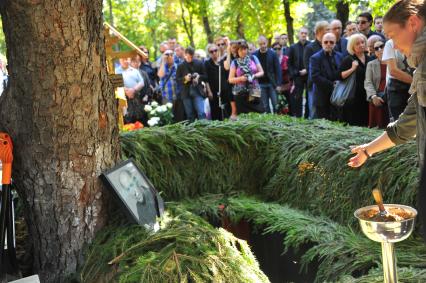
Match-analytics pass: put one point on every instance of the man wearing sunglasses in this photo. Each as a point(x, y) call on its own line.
point(364, 23)
point(324, 66)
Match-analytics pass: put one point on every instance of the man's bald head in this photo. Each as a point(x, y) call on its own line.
point(336, 28)
point(328, 42)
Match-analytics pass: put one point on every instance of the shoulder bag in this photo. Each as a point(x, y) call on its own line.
point(344, 92)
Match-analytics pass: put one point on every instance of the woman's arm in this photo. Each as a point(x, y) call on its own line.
point(397, 73)
point(348, 72)
point(233, 79)
point(368, 83)
point(260, 72)
point(363, 152)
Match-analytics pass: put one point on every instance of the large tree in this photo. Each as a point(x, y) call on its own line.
point(60, 111)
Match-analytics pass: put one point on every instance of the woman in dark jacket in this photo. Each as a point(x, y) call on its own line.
point(356, 113)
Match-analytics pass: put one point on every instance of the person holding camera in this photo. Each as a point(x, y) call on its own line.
point(190, 74)
point(243, 74)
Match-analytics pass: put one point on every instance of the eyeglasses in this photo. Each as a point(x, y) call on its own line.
point(212, 51)
point(277, 48)
point(328, 42)
point(377, 48)
point(361, 22)
point(169, 54)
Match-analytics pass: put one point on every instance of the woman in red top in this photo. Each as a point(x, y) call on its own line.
point(375, 82)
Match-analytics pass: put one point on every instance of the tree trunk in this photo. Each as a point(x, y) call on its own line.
point(61, 114)
point(207, 29)
point(111, 16)
point(342, 13)
point(240, 27)
point(188, 26)
point(289, 21)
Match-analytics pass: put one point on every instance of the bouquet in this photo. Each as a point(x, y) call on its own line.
point(159, 115)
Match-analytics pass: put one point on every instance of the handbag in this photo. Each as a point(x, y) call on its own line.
point(197, 90)
point(254, 90)
point(344, 92)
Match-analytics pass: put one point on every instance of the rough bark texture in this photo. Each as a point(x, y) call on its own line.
point(207, 29)
point(342, 11)
point(61, 114)
point(187, 25)
point(240, 27)
point(289, 21)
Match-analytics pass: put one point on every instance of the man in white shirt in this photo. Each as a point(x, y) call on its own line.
point(133, 83)
point(399, 78)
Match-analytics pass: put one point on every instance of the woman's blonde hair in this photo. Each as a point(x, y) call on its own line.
point(352, 40)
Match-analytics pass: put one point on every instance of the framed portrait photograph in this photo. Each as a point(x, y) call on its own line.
point(135, 193)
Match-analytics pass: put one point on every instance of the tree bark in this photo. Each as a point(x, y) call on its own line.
point(240, 27)
point(289, 21)
point(207, 29)
point(188, 26)
point(111, 16)
point(61, 113)
point(342, 11)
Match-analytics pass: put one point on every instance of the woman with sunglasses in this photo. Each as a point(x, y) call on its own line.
point(375, 82)
point(217, 82)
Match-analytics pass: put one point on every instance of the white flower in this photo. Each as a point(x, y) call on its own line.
point(162, 109)
point(169, 105)
point(154, 104)
point(147, 108)
point(156, 118)
point(152, 122)
point(153, 112)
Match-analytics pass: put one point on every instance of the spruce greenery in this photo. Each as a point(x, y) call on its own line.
point(186, 249)
point(284, 175)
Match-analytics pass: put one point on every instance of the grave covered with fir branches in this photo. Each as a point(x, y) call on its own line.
point(283, 175)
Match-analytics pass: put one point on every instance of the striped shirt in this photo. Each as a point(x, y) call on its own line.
point(170, 89)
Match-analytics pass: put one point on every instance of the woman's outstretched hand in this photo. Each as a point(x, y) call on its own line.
point(360, 157)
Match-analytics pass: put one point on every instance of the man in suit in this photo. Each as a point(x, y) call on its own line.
point(324, 66)
point(321, 28)
point(341, 42)
point(272, 74)
point(298, 72)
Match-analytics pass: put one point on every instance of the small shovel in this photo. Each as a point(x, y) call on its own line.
point(383, 215)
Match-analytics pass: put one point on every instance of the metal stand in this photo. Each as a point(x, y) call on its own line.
point(8, 262)
point(219, 92)
point(389, 263)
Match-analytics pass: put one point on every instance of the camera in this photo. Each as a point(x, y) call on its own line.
point(193, 78)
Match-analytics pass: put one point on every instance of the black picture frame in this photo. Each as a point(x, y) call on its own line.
point(135, 193)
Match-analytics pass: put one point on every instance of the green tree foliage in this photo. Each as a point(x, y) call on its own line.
point(2, 40)
point(149, 22)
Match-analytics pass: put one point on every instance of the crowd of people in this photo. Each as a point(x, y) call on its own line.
point(236, 78)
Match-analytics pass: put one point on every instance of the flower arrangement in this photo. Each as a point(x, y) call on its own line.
point(159, 115)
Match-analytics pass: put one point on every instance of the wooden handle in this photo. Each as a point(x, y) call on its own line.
point(377, 194)
point(6, 157)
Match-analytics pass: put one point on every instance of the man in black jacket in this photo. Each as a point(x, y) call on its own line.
point(324, 68)
point(298, 73)
point(272, 74)
point(321, 28)
point(190, 74)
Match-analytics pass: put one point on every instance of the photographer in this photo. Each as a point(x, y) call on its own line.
point(190, 74)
